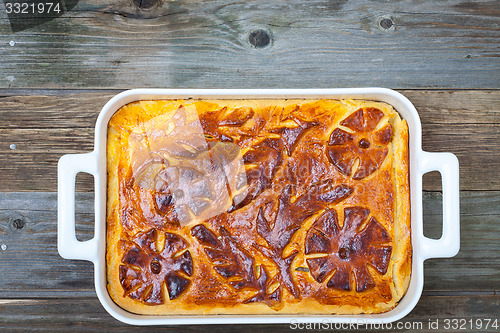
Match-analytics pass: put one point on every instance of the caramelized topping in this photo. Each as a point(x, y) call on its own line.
point(180, 192)
point(291, 135)
point(347, 250)
point(289, 219)
point(237, 118)
point(231, 261)
point(145, 269)
point(244, 165)
point(384, 135)
point(205, 236)
point(340, 137)
point(363, 120)
point(344, 253)
point(273, 299)
point(155, 266)
point(213, 123)
point(363, 143)
point(176, 285)
point(371, 148)
point(264, 160)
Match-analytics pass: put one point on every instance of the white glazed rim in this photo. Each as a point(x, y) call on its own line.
point(420, 162)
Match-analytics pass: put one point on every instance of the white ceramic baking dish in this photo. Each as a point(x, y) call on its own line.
point(420, 163)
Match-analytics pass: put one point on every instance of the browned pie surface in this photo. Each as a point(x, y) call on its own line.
point(258, 206)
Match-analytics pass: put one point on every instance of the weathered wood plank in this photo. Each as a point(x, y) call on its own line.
point(30, 260)
point(479, 227)
point(61, 111)
point(185, 43)
point(87, 315)
point(31, 267)
point(45, 127)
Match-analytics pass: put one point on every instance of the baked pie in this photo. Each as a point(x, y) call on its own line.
point(257, 207)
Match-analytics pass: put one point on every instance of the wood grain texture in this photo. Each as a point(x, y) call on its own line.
point(313, 44)
point(31, 267)
point(45, 127)
point(87, 315)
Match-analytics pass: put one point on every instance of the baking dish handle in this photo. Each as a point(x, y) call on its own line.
point(449, 243)
point(67, 244)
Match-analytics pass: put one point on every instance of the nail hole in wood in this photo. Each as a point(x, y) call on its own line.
point(146, 4)
point(386, 23)
point(468, 56)
point(259, 38)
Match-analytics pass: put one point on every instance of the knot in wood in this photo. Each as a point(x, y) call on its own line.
point(18, 223)
point(146, 4)
point(259, 38)
point(386, 23)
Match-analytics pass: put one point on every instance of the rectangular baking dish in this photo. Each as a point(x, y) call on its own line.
point(421, 162)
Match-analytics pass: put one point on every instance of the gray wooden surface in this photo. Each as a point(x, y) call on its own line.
point(55, 77)
point(316, 43)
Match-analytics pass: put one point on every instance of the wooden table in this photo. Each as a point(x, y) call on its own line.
point(55, 77)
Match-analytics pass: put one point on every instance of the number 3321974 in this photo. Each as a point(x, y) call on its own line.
point(471, 324)
point(33, 8)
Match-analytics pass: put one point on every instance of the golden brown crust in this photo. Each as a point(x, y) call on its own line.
point(319, 225)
